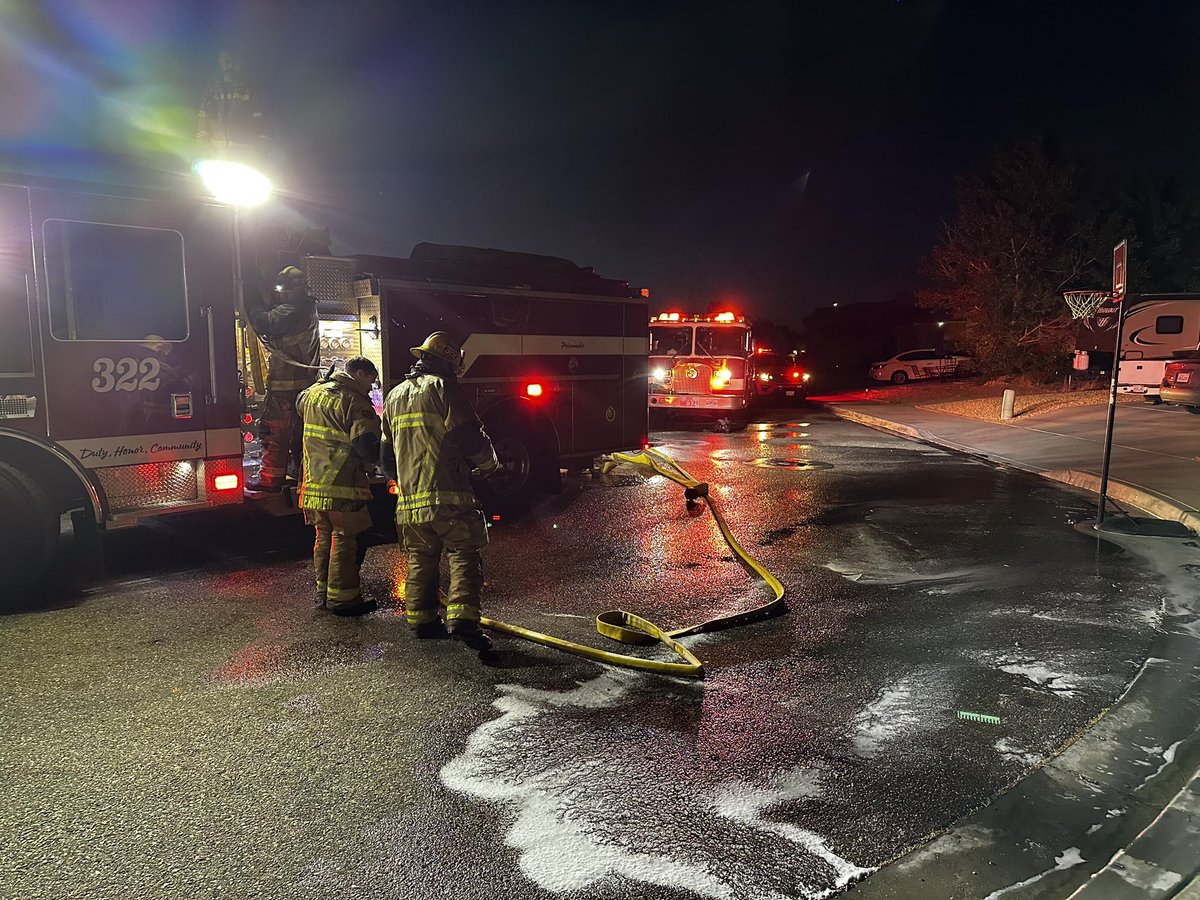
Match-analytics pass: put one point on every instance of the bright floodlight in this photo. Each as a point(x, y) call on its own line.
point(233, 182)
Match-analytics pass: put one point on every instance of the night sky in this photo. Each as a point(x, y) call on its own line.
point(781, 156)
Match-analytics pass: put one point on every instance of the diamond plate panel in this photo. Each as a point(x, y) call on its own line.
point(149, 484)
point(330, 281)
point(363, 288)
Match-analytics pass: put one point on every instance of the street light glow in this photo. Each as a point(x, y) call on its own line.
point(234, 183)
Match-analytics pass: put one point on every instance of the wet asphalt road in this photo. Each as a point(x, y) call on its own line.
point(190, 726)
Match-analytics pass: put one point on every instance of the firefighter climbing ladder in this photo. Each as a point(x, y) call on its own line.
point(629, 628)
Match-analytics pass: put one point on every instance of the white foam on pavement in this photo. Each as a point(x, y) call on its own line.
point(1070, 857)
point(539, 759)
point(749, 804)
point(899, 710)
point(1040, 674)
point(560, 849)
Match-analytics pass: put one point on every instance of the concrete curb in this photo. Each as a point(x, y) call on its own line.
point(1165, 853)
point(1156, 504)
point(1151, 502)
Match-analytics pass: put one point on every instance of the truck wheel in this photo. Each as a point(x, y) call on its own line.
point(730, 424)
point(1153, 399)
point(1194, 409)
point(899, 376)
point(29, 537)
point(526, 465)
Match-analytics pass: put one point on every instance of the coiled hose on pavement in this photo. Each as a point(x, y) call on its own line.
point(629, 628)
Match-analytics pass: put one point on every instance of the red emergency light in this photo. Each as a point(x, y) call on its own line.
point(795, 374)
point(227, 483)
point(725, 317)
point(533, 389)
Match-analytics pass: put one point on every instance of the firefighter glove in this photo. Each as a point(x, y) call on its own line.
point(488, 470)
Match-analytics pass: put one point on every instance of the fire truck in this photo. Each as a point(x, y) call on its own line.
point(127, 382)
point(702, 367)
point(779, 379)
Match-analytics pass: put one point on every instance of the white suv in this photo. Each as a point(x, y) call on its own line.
point(928, 363)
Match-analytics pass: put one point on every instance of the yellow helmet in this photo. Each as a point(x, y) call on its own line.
point(291, 279)
point(441, 346)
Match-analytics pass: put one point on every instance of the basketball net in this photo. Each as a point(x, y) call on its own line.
point(1083, 303)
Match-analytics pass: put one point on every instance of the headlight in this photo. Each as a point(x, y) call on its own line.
point(660, 374)
point(764, 377)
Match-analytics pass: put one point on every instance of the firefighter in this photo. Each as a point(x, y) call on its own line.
point(230, 121)
point(288, 329)
point(431, 440)
point(341, 438)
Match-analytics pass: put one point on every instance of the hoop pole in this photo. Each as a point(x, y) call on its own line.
point(1112, 413)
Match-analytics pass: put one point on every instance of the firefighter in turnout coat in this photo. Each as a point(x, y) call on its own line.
point(431, 440)
point(341, 439)
point(289, 332)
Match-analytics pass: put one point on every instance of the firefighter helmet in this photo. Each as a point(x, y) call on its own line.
point(291, 279)
point(440, 346)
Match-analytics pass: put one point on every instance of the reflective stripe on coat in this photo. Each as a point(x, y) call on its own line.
point(436, 439)
point(334, 413)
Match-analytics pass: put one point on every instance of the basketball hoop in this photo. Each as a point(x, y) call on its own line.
point(1084, 303)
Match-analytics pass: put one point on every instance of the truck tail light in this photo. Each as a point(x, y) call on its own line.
point(223, 480)
point(533, 389)
point(227, 482)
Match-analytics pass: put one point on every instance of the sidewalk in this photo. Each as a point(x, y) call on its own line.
point(1154, 466)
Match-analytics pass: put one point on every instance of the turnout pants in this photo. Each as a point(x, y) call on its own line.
point(462, 534)
point(335, 554)
point(276, 430)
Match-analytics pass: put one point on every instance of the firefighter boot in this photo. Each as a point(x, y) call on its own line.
point(431, 631)
point(473, 636)
point(360, 607)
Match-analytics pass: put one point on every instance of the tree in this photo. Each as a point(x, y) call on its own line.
point(1023, 232)
point(1163, 227)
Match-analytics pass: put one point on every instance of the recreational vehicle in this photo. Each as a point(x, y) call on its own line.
point(1157, 329)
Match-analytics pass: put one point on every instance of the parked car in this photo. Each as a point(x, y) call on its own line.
point(779, 380)
point(1181, 383)
point(913, 364)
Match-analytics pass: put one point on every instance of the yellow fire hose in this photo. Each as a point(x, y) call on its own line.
point(633, 629)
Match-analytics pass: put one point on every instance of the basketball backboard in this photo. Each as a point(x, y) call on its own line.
point(1119, 256)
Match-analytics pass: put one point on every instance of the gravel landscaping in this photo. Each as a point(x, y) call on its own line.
point(982, 400)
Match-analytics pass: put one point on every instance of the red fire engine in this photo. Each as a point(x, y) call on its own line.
point(126, 390)
point(702, 366)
